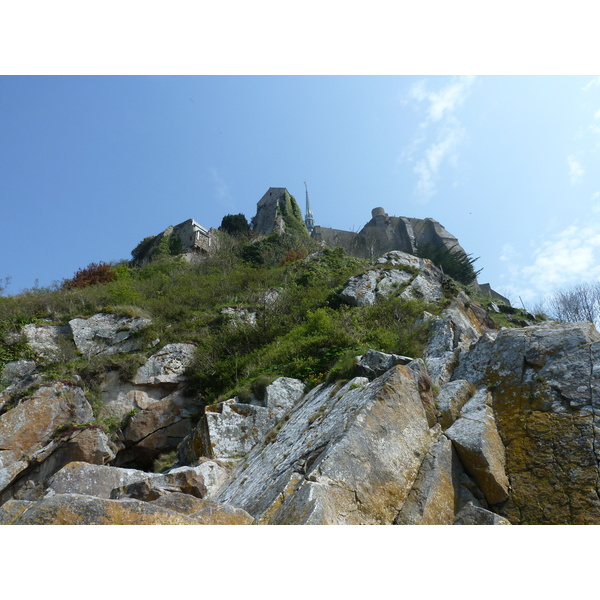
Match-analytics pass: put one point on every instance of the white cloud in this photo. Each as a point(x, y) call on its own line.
point(430, 150)
point(576, 171)
point(571, 256)
point(509, 253)
point(445, 149)
point(591, 84)
point(444, 101)
point(221, 187)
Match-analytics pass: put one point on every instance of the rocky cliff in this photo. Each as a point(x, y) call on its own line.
point(384, 233)
point(487, 425)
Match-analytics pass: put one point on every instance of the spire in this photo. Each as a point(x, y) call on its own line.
point(309, 220)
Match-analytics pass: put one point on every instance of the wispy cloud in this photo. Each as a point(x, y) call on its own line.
point(445, 149)
point(570, 256)
point(595, 82)
point(509, 253)
point(576, 171)
point(220, 185)
point(439, 134)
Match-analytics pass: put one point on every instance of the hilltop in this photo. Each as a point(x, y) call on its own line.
point(254, 374)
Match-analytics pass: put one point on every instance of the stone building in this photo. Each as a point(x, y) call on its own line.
point(193, 237)
point(188, 239)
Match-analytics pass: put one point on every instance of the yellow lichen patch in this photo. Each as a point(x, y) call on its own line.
point(551, 461)
point(72, 509)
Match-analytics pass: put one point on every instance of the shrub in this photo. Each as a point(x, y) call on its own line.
point(453, 262)
point(142, 248)
point(235, 225)
point(92, 274)
point(293, 256)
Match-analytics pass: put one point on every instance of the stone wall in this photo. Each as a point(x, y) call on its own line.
point(383, 234)
point(267, 219)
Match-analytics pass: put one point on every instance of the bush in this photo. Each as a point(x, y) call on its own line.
point(235, 225)
point(92, 274)
point(453, 262)
point(142, 248)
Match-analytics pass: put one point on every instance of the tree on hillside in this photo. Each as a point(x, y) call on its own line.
point(454, 262)
point(4, 283)
point(235, 225)
point(577, 303)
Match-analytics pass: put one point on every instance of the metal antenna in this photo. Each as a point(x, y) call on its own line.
point(309, 219)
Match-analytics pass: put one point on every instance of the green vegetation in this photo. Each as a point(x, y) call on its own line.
point(454, 262)
point(13, 345)
point(94, 273)
point(307, 333)
point(235, 225)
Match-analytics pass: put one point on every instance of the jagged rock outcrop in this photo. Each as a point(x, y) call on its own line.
point(374, 363)
point(27, 432)
point(439, 492)
point(345, 455)
point(158, 414)
point(46, 340)
point(399, 274)
point(233, 428)
point(167, 366)
point(18, 377)
point(107, 334)
point(476, 439)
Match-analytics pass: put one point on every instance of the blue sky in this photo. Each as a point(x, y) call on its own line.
point(90, 165)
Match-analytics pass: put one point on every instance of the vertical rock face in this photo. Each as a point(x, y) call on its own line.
point(436, 493)
point(545, 385)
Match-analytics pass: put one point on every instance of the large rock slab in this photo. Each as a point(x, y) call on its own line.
point(93, 480)
point(480, 448)
point(545, 382)
point(106, 334)
point(362, 289)
point(204, 512)
point(452, 335)
point(234, 428)
point(281, 395)
point(48, 341)
point(472, 514)
point(436, 493)
point(346, 455)
point(451, 398)
point(90, 444)
point(74, 509)
point(374, 363)
point(167, 366)
point(26, 431)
